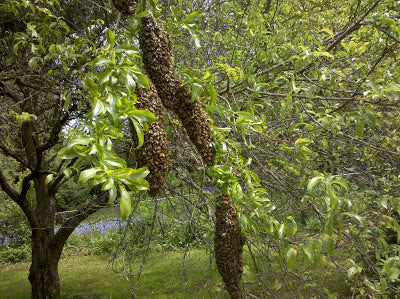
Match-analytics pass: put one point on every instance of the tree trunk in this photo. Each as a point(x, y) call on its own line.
point(43, 274)
point(46, 245)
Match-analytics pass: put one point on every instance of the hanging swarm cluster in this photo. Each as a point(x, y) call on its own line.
point(195, 121)
point(158, 62)
point(154, 152)
point(228, 242)
point(158, 59)
point(125, 6)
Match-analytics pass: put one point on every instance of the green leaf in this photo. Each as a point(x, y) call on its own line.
point(110, 38)
point(329, 224)
point(291, 258)
point(307, 253)
point(328, 31)
point(359, 127)
point(139, 132)
point(142, 14)
point(67, 172)
point(194, 16)
point(393, 274)
point(114, 162)
point(314, 182)
point(341, 182)
point(102, 60)
point(104, 76)
point(90, 84)
point(143, 115)
point(352, 271)
point(302, 142)
point(290, 226)
point(330, 244)
point(213, 95)
point(108, 184)
point(48, 179)
point(128, 49)
point(112, 192)
point(142, 79)
point(97, 108)
point(88, 174)
point(79, 140)
point(125, 203)
point(130, 82)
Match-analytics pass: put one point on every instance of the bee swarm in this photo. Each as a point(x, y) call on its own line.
point(154, 152)
point(228, 242)
point(125, 6)
point(158, 63)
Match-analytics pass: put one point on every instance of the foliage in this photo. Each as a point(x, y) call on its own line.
point(15, 254)
point(305, 122)
point(303, 97)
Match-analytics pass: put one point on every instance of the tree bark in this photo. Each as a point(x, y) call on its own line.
point(43, 274)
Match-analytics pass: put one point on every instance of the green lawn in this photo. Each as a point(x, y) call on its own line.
point(93, 277)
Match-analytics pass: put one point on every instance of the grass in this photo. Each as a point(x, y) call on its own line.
point(94, 277)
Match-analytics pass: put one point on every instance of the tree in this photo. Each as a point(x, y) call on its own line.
point(61, 118)
point(307, 100)
point(307, 110)
point(304, 101)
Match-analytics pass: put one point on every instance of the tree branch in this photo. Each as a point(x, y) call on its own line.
point(349, 137)
point(16, 157)
point(18, 199)
point(15, 96)
point(342, 35)
point(5, 186)
point(59, 239)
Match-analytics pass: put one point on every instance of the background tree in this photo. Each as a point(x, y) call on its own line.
point(54, 99)
point(307, 110)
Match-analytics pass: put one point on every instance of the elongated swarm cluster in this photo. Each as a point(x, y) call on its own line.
point(126, 6)
point(154, 152)
point(228, 242)
point(158, 62)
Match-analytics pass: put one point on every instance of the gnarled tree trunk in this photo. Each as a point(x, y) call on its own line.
point(43, 274)
point(48, 245)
